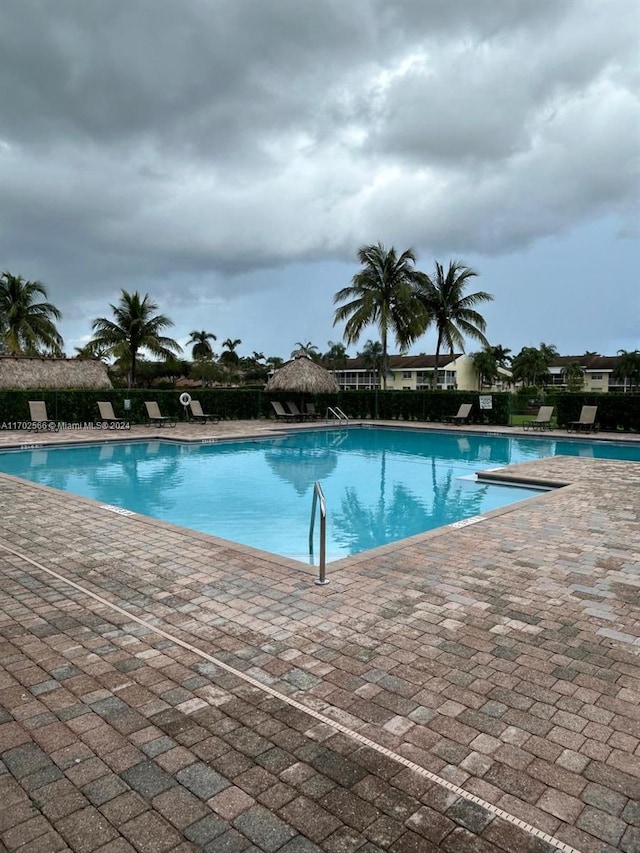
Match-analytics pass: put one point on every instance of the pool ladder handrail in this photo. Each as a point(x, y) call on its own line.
point(337, 412)
point(318, 496)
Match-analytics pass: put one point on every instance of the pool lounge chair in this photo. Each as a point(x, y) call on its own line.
point(586, 422)
point(202, 417)
point(312, 414)
point(155, 417)
point(462, 416)
point(542, 420)
point(39, 418)
point(295, 411)
point(281, 413)
point(107, 415)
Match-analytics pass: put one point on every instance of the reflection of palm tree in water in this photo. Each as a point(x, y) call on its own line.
point(359, 527)
point(145, 483)
point(301, 466)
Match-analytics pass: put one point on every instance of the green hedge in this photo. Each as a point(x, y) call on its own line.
point(616, 412)
point(250, 403)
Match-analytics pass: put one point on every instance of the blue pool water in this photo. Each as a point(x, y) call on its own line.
point(380, 485)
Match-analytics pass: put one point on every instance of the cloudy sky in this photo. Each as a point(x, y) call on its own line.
point(230, 156)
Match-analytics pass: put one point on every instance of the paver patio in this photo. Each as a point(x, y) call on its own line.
point(163, 690)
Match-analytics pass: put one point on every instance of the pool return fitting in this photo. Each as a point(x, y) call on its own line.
point(318, 495)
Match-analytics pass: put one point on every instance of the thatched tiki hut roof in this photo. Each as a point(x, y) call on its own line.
point(24, 373)
point(302, 376)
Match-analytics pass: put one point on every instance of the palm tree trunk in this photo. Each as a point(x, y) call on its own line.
point(436, 363)
point(384, 358)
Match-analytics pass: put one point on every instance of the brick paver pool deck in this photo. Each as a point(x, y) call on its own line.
point(468, 690)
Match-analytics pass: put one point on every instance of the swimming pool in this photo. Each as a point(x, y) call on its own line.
point(381, 485)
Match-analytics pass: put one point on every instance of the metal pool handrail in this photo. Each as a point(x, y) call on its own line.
point(337, 413)
point(318, 495)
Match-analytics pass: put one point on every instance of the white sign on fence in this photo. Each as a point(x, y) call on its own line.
point(486, 401)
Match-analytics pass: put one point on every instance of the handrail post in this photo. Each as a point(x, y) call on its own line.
point(321, 580)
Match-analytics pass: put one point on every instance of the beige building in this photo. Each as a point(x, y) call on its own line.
point(414, 373)
point(598, 372)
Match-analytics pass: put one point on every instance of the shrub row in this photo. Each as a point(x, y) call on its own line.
point(615, 411)
point(80, 406)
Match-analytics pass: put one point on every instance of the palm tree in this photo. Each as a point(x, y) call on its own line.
point(531, 365)
point(134, 327)
point(201, 348)
point(573, 376)
point(486, 366)
point(201, 352)
point(628, 368)
point(501, 355)
point(336, 356)
point(383, 294)
point(230, 357)
point(373, 357)
point(308, 349)
point(26, 325)
point(92, 351)
point(452, 312)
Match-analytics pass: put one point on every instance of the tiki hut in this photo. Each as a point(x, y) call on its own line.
point(24, 373)
point(302, 376)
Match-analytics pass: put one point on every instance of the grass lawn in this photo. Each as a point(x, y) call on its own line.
point(519, 420)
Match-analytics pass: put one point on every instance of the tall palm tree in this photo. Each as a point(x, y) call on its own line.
point(134, 327)
point(200, 347)
point(27, 325)
point(451, 310)
point(230, 357)
point(383, 294)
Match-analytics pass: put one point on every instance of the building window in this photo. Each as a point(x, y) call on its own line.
point(406, 374)
point(596, 376)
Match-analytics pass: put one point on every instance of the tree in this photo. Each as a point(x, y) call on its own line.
point(628, 368)
point(201, 349)
point(531, 366)
point(573, 376)
point(372, 356)
point(383, 294)
point(27, 325)
point(92, 351)
point(308, 349)
point(201, 352)
point(501, 355)
point(133, 328)
point(486, 366)
point(336, 356)
point(229, 356)
point(453, 313)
